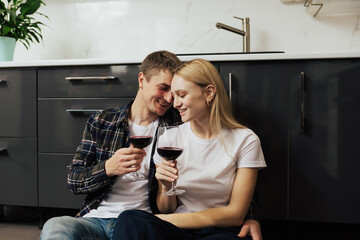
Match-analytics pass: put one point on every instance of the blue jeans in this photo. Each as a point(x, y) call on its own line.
point(71, 228)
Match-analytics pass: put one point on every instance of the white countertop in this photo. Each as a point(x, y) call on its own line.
point(210, 57)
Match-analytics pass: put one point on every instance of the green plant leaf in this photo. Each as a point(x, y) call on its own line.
point(30, 7)
point(2, 5)
point(5, 30)
point(34, 36)
point(16, 20)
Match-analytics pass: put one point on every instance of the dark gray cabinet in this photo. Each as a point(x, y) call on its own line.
point(324, 140)
point(18, 172)
point(62, 121)
point(67, 96)
point(53, 189)
point(18, 144)
point(259, 95)
point(18, 102)
point(307, 115)
point(89, 81)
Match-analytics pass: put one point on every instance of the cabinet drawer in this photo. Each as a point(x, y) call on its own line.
point(93, 82)
point(18, 171)
point(18, 103)
point(53, 189)
point(60, 129)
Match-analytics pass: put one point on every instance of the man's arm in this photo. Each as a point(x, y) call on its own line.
point(86, 174)
point(94, 166)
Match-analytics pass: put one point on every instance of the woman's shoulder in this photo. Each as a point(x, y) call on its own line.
point(244, 133)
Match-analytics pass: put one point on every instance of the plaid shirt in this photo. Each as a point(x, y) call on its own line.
point(105, 133)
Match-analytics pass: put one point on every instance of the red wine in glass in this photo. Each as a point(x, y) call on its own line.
point(140, 141)
point(169, 146)
point(140, 136)
point(170, 153)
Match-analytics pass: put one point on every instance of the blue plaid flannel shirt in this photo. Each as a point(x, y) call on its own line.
point(106, 132)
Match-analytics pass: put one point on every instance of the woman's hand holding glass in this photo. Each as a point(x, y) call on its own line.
point(166, 173)
point(169, 147)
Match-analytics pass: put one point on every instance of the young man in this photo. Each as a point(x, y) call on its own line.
point(105, 158)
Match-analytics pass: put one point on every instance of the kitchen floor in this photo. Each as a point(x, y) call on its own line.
point(22, 223)
point(19, 231)
point(19, 223)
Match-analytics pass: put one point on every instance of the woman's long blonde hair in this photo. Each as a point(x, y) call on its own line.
point(203, 74)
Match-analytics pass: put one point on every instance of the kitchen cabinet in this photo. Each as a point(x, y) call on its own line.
point(53, 189)
point(305, 112)
point(67, 96)
point(324, 140)
point(106, 81)
point(307, 115)
point(18, 102)
point(62, 121)
point(18, 143)
point(259, 96)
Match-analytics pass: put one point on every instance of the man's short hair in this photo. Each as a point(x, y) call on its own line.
point(159, 60)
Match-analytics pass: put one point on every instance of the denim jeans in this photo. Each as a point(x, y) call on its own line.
point(71, 228)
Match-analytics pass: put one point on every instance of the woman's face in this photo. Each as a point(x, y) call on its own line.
point(189, 99)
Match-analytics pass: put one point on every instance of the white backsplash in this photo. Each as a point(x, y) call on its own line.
point(104, 29)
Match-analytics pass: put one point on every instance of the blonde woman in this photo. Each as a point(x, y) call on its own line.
point(217, 169)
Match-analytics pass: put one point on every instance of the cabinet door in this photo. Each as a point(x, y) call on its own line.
point(62, 121)
point(324, 140)
point(53, 190)
point(18, 102)
point(18, 171)
point(89, 81)
point(260, 102)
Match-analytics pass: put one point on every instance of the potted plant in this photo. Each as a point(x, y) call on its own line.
point(18, 24)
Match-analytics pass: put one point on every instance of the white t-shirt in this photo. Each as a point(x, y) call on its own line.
point(126, 193)
point(207, 171)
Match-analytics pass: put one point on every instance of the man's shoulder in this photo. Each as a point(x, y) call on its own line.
point(111, 116)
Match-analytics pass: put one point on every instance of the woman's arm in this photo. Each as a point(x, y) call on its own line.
point(231, 215)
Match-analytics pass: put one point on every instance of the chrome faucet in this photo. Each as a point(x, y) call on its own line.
point(245, 32)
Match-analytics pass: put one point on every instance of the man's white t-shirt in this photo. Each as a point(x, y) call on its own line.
point(127, 193)
point(207, 170)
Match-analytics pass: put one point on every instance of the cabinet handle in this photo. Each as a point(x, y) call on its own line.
point(2, 81)
point(83, 110)
point(230, 88)
point(3, 150)
point(302, 79)
point(90, 78)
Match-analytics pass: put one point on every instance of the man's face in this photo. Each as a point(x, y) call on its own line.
point(156, 91)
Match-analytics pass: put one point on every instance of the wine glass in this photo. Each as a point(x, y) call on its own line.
point(140, 136)
point(170, 147)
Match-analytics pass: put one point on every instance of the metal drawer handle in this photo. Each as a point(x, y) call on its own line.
point(302, 79)
point(230, 88)
point(83, 110)
point(2, 82)
point(90, 78)
point(3, 150)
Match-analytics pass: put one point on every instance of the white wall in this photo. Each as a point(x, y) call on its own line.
point(107, 29)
